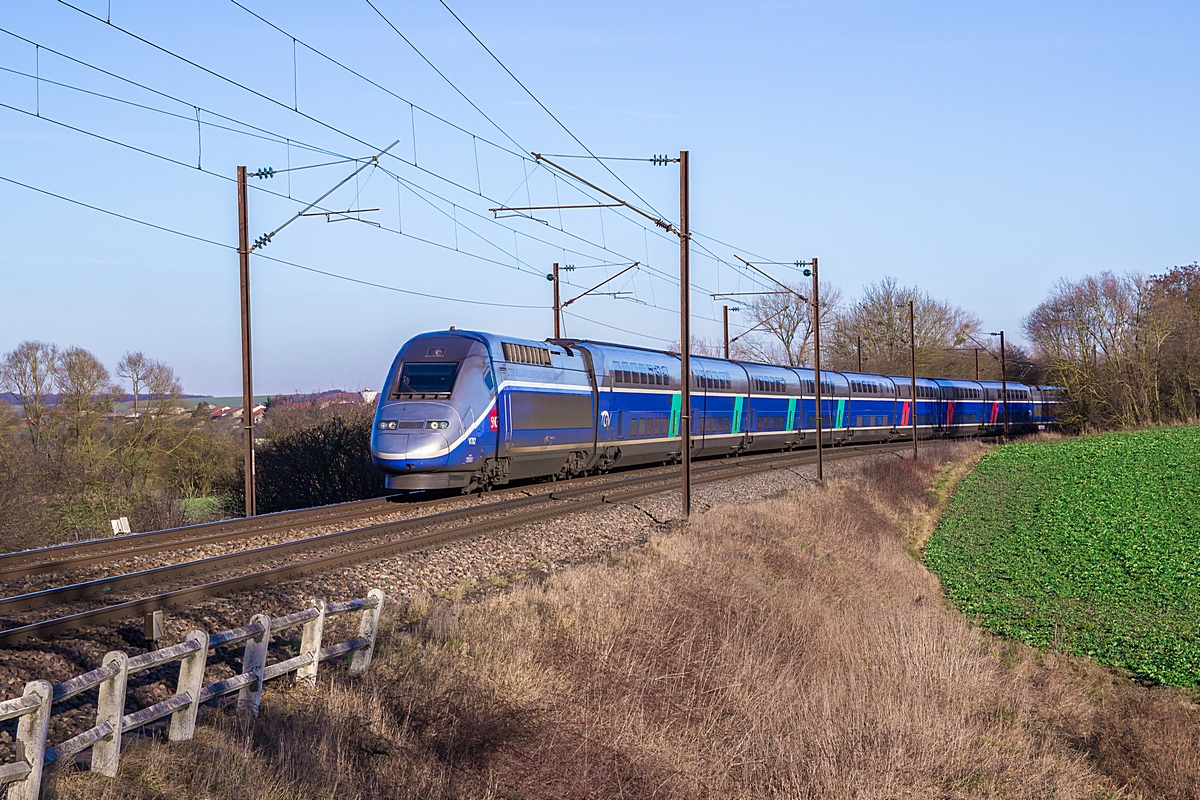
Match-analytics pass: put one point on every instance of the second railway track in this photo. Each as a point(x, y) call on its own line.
point(291, 559)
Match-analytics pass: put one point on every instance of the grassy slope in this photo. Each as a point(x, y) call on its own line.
point(1090, 545)
point(787, 648)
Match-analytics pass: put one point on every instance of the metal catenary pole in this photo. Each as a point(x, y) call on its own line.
point(1004, 384)
point(557, 306)
point(816, 307)
point(912, 366)
point(247, 372)
point(858, 348)
point(725, 315)
point(977, 364)
point(685, 334)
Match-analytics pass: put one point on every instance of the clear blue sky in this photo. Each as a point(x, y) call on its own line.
point(981, 151)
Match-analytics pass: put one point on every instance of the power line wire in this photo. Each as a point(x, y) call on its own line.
point(278, 138)
point(383, 88)
point(284, 262)
point(578, 141)
point(322, 123)
point(348, 135)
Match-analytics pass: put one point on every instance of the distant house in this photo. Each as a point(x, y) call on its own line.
point(369, 395)
point(258, 410)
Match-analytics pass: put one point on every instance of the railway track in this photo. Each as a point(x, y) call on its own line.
point(93, 552)
point(98, 551)
point(76, 555)
point(305, 556)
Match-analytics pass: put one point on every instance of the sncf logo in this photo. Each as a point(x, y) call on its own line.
point(494, 419)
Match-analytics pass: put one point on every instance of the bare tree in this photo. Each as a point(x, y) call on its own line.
point(1101, 338)
point(144, 440)
point(29, 372)
point(155, 378)
point(85, 391)
point(1176, 296)
point(879, 319)
point(786, 322)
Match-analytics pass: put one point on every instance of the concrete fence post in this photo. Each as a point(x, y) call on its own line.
point(31, 741)
point(110, 707)
point(310, 643)
point(254, 659)
point(368, 629)
point(191, 682)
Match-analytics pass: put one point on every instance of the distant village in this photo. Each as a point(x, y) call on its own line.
point(217, 412)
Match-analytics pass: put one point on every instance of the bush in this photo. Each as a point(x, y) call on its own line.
point(311, 456)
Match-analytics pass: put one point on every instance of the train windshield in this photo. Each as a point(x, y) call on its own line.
point(427, 378)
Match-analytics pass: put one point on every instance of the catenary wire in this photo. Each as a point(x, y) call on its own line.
point(541, 104)
point(277, 138)
point(328, 126)
point(262, 256)
point(382, 88)
point(333, 128)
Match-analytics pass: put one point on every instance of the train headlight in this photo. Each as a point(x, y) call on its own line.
point(387, 424)
point(437, 424)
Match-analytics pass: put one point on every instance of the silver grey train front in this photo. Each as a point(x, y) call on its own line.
point(435, 426)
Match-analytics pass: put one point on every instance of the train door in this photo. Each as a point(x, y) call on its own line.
point(504, 403)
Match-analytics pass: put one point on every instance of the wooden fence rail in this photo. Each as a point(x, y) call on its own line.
point(34, 707)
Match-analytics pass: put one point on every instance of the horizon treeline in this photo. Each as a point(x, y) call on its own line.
point(1126, 349)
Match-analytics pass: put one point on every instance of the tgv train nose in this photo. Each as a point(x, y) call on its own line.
point(426, 447)
point(391, 446)
point(426, 450)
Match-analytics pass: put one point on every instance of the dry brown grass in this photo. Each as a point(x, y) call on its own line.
point(790, 648)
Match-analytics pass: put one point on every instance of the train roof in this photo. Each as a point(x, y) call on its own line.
point(496, 342)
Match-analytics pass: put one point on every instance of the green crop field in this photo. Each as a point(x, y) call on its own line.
point(1091, 545)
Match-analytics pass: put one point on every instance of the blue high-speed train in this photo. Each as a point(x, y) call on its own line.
point(472, 410)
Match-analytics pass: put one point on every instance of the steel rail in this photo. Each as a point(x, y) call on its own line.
point(75, 555)
point(633, 491)
point(101, 587)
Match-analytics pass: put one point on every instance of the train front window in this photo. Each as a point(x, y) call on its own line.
point(427, 378)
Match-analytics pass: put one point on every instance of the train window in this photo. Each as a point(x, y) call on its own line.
point(437, 378)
